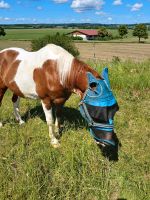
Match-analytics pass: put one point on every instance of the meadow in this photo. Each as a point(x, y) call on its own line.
point(31, 169)
point(30, 34)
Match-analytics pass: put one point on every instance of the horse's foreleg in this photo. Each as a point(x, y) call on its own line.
point(50, 122)
point(16, 100)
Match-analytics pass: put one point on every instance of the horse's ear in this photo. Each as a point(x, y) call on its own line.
point(91, 78)
point(105, 76)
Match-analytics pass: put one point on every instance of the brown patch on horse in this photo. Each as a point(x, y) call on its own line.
point(78, 76)
point(48, 83)
point(8, 69)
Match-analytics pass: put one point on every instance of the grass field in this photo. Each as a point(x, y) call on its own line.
point(97, 51)
point(30, 34)
point(31, 169)
point(125, 49)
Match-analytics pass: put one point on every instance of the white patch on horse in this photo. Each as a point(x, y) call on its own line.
point(29, 61)
point(64, 61)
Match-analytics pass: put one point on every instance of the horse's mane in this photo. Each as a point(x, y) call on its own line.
point(78, 75)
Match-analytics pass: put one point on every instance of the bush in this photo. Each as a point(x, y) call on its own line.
point(116, 60)
point(76, 38)
point(109, 37)
point(58, 39)
point(122, 30)
point(2, 31)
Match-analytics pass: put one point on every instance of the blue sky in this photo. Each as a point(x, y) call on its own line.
point(74, 11)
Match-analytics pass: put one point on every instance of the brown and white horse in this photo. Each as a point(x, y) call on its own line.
point(50, 74)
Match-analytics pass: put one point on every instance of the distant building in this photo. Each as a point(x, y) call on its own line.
point(85, 34)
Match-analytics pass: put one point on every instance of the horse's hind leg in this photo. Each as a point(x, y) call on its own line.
point(58, 120)
point(16, 100)
point(2, 92)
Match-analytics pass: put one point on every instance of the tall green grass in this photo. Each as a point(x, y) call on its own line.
point(31, 169)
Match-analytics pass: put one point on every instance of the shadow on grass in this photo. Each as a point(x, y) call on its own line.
point(111, 152)
point(70, 116)
point(73, 119)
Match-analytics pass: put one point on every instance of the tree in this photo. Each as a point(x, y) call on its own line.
point(123, 30)
point(102, 32)
point(58, 39)
point(140, 31)
point(2, 32)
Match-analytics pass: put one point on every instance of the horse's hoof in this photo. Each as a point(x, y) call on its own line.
point(57, 145)
point(21, 122)
point(1, 124)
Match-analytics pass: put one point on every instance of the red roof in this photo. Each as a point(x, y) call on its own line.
point(86, 32)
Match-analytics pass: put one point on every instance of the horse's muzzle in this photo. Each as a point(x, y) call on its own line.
point(103, 137)
point(106, 142)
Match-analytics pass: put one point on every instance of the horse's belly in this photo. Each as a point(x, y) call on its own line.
point(25, 82)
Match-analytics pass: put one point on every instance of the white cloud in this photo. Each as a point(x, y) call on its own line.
point(85, 20)
point(60, 1)
point(4, 5)
point(39, 8)
point(136, 6)
point(23, 19)
point(101, 13)
point(5, 19)
point(109, 18)
point(82, 5)
point(117, 2)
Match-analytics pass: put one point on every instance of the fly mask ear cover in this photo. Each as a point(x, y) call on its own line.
point(98, 107)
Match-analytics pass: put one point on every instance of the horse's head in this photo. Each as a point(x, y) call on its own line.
point(98, 106)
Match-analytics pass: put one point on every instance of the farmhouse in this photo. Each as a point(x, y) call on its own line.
point(85, 34)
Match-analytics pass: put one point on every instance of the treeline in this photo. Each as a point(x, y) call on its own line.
point(68, 26)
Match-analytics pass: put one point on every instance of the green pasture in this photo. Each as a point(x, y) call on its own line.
point(30, 34)
point(30, 169)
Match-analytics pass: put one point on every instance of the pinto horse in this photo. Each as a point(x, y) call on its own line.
point(50, 74)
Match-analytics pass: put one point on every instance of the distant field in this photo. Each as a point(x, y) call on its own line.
point(109, 51)
point(98, 51)
point(127, 48)
point(30, 34)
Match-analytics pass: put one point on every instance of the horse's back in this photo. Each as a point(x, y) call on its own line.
point(21, 66)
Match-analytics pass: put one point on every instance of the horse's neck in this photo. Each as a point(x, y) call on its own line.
point(78, 76)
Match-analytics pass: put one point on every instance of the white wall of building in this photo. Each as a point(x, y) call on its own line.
point(80, 35)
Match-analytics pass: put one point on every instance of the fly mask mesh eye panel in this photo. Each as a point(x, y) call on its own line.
point(98, 107)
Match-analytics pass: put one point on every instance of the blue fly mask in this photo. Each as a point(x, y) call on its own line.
point(98, 108)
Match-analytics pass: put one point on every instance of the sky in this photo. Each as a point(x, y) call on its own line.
point(74, 11)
